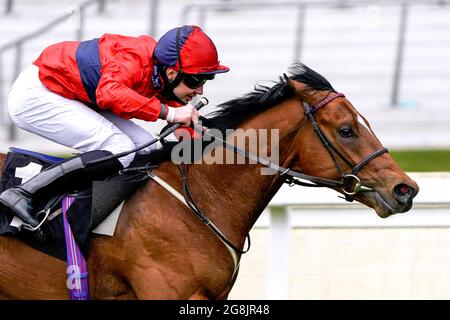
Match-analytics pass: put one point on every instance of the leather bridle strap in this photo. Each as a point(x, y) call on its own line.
point(318, 182)
point(367, 159)
point(324, 102)
point(291, 176)
point(309, 110)
point(348, 180)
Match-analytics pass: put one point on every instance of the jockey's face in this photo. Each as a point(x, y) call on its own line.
point(182, 91)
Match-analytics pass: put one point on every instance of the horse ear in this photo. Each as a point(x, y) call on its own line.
point(295, 86)
point(299, 88)
point(288, 81)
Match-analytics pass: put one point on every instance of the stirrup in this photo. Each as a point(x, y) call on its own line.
point(46, 211)
point(29, 227)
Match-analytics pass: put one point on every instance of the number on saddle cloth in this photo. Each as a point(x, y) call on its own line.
point(21, 165)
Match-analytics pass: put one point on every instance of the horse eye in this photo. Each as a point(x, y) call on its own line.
point(346, 132)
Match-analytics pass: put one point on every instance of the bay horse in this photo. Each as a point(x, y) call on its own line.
point(160, 250)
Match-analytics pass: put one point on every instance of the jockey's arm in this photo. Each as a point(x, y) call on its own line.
point(115, 93)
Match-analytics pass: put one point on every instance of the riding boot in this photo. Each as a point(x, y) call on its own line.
point(57, 179)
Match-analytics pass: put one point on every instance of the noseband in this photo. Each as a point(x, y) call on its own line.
point(350, 183)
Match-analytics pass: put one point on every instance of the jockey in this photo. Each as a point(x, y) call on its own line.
point(82, 95)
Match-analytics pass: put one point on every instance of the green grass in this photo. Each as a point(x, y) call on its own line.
point(422, 160)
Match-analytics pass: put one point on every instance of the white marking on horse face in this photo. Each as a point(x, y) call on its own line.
point(361, 120)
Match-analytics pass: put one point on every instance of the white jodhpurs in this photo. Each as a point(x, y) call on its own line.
point(36, 109)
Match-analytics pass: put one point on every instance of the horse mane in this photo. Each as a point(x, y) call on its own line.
point(315, 81)
point(230, 114)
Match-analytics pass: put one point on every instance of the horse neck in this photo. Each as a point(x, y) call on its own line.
point(234, 195)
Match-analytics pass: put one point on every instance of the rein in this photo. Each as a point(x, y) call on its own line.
point(350, 183)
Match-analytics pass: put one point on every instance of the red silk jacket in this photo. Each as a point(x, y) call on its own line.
point(113, 72)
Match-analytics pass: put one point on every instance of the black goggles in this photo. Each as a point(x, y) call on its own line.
point(194, 81)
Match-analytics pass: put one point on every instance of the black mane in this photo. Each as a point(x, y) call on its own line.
point(231, 114)
point(301, 73)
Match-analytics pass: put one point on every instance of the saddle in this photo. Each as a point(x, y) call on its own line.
point(90, 207)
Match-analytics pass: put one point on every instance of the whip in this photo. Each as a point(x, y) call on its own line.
point(203, 102)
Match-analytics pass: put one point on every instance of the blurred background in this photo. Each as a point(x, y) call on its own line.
point(390, 58)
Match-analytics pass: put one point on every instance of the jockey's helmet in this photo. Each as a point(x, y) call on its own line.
point(188, 50)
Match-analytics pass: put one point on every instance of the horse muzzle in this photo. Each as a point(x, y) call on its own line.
point(398, 200)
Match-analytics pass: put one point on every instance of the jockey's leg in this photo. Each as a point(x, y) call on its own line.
point(134, 131)
point(63, 177)
point(68, 122)
point(32, 107)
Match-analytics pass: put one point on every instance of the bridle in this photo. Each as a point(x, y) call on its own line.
point(350, 183)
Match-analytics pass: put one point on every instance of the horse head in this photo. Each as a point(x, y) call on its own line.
point(353, 150)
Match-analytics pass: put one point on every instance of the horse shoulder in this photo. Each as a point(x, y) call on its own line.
point(28, 273)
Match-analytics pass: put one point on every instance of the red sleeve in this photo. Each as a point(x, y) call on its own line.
point(115, 93)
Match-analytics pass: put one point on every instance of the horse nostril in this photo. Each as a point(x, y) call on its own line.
point(404, 193)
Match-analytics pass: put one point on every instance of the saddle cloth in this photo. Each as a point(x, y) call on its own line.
point(91, 211)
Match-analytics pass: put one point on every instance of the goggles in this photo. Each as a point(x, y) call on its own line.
point(194, 81)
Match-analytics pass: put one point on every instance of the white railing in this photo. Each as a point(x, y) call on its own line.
point(320, 208)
